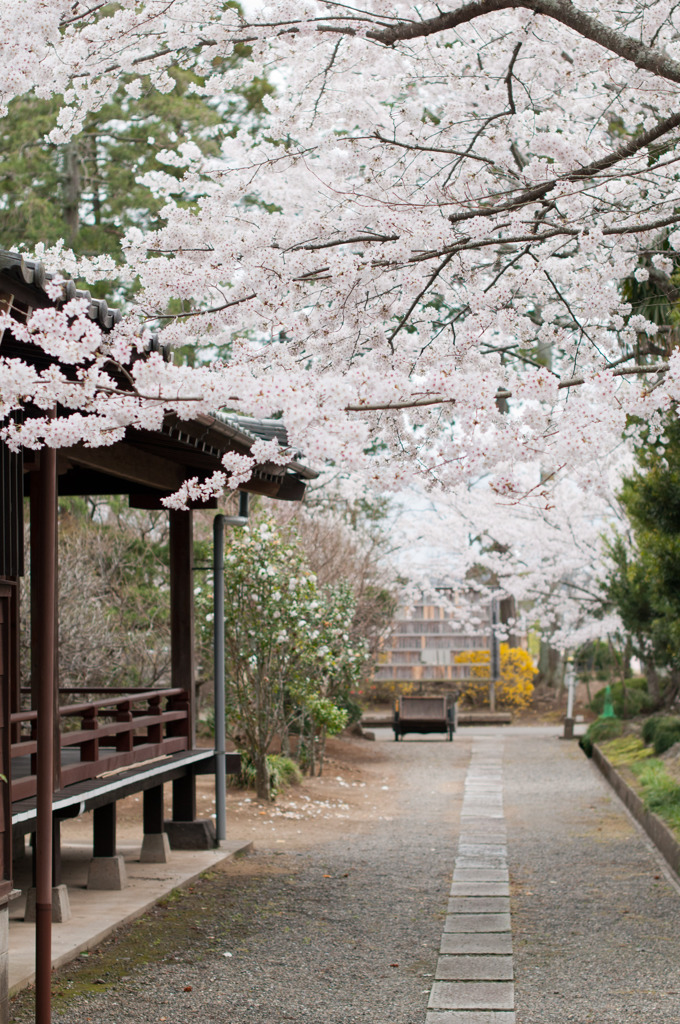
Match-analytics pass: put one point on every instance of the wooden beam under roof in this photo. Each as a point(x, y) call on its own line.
point(126, 462)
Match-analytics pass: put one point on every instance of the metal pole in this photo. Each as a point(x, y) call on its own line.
point(571, 682)
point(218, 650)
point(219, 522)
point(46, 572)
point(495, 655)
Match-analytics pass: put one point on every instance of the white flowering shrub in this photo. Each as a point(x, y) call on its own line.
point(289, 657)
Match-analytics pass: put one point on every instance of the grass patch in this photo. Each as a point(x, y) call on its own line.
point(660, 793)
point(626, 750)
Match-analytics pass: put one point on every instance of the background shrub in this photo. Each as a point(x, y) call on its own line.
point(634, 702)
point(283, 772)
point(649, 728)
point(666, 733)
point(599, 730)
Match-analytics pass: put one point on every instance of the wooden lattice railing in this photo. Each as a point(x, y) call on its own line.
point(99, 736)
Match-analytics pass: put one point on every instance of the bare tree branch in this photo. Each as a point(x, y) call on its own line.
point(643, 56)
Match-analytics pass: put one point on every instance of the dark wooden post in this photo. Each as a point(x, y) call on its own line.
point(7, 651)
point(89, 749)
point(56, 851)
point(125, 741)
point(184, 797)
point(15, 683)
point(104, 829)
point(153, 811)
point(154, 733)
point(156, 844)
point(182, 652)
point(44, 547)
point(182, 609)
point(43, 682)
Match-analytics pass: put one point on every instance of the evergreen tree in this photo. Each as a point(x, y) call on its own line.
point(644, 584)
point(89, 191)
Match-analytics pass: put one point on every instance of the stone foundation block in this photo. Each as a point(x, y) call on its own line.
point(107, 873)
point(61, 906)
point(191, 835)
point(155, 848)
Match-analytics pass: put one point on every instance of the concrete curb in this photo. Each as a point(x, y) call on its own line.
point(659, 833)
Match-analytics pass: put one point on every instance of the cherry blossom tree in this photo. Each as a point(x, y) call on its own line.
point(417, 261)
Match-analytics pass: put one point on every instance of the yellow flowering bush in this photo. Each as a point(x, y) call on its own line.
point(515, 686)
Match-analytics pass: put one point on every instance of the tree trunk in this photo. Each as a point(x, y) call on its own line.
point(72, 191)
point(322, 751)
point(672, 688)
point(262, 786)
point(653, 687)
point(312, 749)
point(627, 655)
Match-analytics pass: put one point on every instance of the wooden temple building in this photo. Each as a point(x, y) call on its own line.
point(420, 655)
point(60, 757)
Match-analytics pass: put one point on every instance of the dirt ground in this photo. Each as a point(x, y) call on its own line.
point(357, 784)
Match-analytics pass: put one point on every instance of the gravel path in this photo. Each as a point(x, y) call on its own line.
point(343, 933)
point(594, 915)
point(349, 930)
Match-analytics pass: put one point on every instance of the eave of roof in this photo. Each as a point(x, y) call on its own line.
point(33, 274)
point(225, 429)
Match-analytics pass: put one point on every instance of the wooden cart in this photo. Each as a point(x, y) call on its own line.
point(425, 714)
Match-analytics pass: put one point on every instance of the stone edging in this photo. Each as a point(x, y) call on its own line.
point(659, 833)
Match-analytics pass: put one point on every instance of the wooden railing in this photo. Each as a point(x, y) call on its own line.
point(120, 730)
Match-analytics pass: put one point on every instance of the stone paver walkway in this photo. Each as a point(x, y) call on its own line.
point(474, 975)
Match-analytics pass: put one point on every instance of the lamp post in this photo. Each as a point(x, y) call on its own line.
point(495, 654)
point(219, 522)
point(571, 686)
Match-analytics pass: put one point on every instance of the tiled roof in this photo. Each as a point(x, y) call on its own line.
point(33, 274)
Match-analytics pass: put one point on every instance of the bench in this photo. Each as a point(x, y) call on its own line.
point(425, 714)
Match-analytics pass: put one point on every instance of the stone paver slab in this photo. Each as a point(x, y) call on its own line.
point(478, 812)
point(461, 874)
point(491, 837)
point(474, 968)
point(481, 850)
point(481, 862)
point(482, 826)
point(470, 1017)
point(480, 889)
point(477, 923)
point(472, 995)
point(456, 943)
point(479, 905)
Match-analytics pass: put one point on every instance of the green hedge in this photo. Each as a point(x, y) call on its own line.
point(649, 728)
point(663, 732)
point(637, 700)
point(599, 730)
